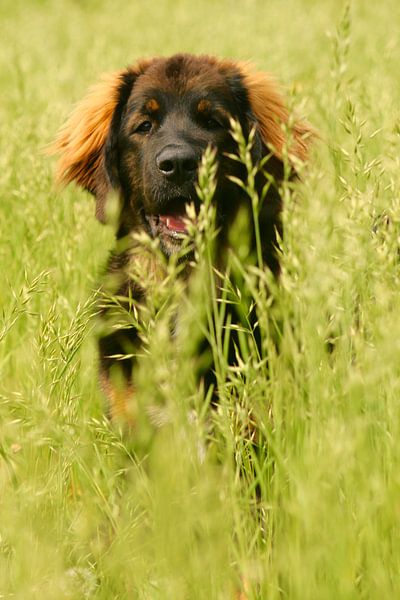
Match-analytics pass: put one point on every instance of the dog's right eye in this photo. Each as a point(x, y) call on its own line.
point(144, 127)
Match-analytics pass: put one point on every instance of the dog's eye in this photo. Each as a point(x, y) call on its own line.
point(212, 123)
point(144, 127)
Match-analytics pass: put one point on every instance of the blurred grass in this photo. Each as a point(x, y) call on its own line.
point(84, 516)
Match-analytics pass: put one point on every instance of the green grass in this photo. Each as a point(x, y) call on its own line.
point(172, 514)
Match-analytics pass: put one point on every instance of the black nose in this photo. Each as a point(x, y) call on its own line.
point(177, 162)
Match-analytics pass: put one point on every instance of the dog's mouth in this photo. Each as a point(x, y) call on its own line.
point(170, 225)
point(174, 224)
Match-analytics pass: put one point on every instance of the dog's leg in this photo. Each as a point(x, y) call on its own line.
point(116, 377)
point(120, 400)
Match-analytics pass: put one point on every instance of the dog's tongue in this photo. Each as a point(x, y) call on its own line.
point(174, 222)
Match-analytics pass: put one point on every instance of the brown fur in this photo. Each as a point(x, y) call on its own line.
point(204, 106)
point(152, 105)
point(273, 116)
point(81, 140)
point(84, 134)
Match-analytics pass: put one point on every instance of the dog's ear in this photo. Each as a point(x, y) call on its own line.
point(279, 133)
point(82, 141)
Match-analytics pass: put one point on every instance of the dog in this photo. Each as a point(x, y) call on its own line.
point(141, 133)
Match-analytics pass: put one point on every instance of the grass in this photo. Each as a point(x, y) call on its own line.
point(87, 513)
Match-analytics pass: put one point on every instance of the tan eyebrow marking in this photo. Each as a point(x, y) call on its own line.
point(204, 106)
point(152, 105)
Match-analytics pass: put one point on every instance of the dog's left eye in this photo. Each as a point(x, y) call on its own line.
point(144, 127)
point(212, 123)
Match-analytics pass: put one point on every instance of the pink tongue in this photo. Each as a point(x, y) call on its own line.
point(175, 223)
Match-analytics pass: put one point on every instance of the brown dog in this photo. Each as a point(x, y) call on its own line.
point(142, 131)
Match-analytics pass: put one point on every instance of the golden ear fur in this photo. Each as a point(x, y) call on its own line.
point(277, 130)
point(81, 140)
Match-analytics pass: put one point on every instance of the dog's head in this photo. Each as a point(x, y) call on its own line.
point(143, 130)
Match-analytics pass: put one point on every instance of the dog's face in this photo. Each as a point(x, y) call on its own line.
point(143, 131)
point(175, 110)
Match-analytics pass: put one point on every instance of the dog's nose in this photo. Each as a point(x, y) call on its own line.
point(177, 162)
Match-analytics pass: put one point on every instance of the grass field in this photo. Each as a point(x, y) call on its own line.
point(86, 513)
